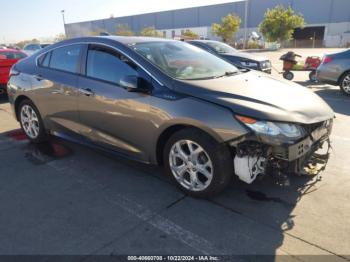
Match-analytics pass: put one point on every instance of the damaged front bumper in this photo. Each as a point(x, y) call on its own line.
point(257, 157)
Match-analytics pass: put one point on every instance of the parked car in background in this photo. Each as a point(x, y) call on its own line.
point(167, 102)
point(8, 57)
point(335, 70)
point(30, 49)
point(13, 47)
point(235, 57)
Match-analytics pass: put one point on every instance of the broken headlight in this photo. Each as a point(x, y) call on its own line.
point(273, 132)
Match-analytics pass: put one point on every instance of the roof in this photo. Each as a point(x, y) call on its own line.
point(135, 39)
point(204, 41)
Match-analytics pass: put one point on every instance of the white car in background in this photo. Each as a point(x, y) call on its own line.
point(30, 49)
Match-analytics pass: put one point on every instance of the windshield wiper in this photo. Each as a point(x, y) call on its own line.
point(229, 73)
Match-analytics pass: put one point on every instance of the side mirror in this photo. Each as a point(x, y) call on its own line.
point(133, 84)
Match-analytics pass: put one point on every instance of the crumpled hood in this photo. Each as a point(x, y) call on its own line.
point(246, 56)
point(261, 96)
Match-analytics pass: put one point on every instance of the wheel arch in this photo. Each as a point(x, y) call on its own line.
point(18, 101)
point(169, 131)
point(342, 75)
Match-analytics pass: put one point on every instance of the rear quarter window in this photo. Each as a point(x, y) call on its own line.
point(44, 60)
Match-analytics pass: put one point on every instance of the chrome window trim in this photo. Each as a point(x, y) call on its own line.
point(106, 45)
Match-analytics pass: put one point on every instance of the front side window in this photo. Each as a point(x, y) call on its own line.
point(108, 66)
point(66, 58)
point(183, 61)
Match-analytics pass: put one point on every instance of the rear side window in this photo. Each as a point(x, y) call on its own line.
point(108, 66)
point(44, 60)
point(65, 58)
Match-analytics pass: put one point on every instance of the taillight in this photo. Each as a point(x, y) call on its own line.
point(327, 59)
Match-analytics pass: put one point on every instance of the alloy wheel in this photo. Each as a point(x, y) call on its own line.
point(346, 84)
point(30, 121)
point(191, 165)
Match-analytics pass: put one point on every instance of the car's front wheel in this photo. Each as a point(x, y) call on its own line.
point(199, 165)
point(345, 84)
point(288, 75)
point(31, 122)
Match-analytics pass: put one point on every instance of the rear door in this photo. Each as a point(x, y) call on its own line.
point(55, 82)
point(110, 115)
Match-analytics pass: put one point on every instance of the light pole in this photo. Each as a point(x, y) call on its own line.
point(245, 23)
point(64, 22)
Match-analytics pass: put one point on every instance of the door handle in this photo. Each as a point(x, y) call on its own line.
point(39, 77)
point(86, 92)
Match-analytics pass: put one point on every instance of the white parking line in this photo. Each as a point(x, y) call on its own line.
point(341, 138)
point(168, 227)
point(161, 223)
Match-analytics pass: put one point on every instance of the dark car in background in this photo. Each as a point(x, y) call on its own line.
point(30, 49)
point(335, 70)
point(169, 103)
point(8, 57)
point(235, 57)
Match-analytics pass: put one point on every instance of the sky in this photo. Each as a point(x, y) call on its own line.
point(28, 19)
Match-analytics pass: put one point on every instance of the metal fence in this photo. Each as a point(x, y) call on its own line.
point(307, 43)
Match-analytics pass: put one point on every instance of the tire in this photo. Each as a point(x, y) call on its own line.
point(312, 76)
point(345, 84)
point(210, 158)
point(288, 75)
point(28, 115)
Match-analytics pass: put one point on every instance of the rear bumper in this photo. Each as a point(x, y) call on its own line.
point(327, 75)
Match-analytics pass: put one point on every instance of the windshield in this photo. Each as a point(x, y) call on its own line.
point(221, 47)
point(183, 61)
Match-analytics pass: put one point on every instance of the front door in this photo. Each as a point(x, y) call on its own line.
point(110, 115)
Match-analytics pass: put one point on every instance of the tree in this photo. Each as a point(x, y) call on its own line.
point(60, 37)
point(124, 30)
point(150, 31)
point(25, 42)
point(228, 27)
point(97, 32)
point(190, 34)
point(279, 23)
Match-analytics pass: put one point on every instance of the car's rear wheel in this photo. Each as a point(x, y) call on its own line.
point(313, 77)
point(199, 165)
point(31, 122)
point(345, 83)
